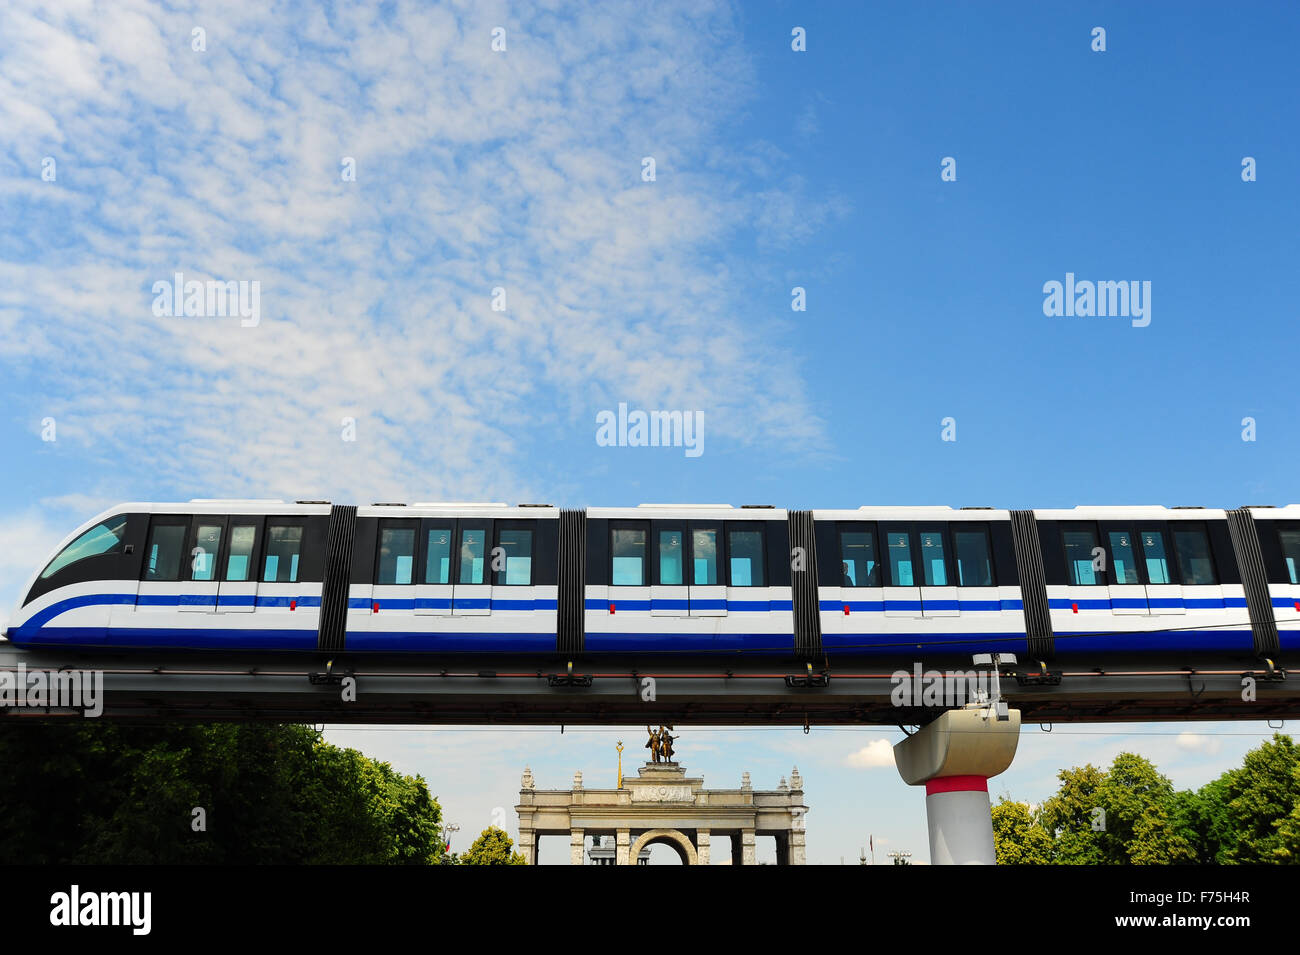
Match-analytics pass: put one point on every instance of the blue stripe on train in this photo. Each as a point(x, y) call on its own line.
point(879, 606)
point(495, 642)
point(195, 638)
point(1086, 642)
point(896, 644)
point(445, 603)
point(202, 639)
point(686, 642)
point(677, 603)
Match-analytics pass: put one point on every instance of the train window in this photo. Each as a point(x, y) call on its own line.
point(971, 548)
point(517, 546)
point(670, 558)
point(933, 562)
point(1080, 548)
point(898, 544)
point(859, 565)
point(1153, 552)
point(627, 557)
point(745, 555)
point(437, 561)
point(239, 562)
point(283, 549)
point(203, 555)
point(1290, 541)
point(396, 556)
point(105, 538)
point(1194, 559)
point(472, 549)
point(704, 557)
point(1123, 563)
point(165, 553)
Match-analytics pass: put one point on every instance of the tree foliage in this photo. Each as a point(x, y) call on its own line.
point(493, 847)
point(1130, 814)
point(100, 792)
point(1259, 801)
point(1018, 837)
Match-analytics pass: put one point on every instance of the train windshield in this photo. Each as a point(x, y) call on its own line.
point(105, 538)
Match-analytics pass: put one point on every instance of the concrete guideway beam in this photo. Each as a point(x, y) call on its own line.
point(954, 757)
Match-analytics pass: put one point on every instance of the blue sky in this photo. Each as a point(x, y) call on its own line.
point(522, 170)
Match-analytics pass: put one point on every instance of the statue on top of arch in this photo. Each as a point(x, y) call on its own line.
point(660, 744)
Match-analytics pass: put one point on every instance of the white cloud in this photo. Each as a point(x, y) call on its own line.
point(474, 170)
point(876, 754)
point(1198, 743)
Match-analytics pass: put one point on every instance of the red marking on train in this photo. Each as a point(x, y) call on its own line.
point(611, 608)
point(293, 605)
point(1297, 606)
point(846, 610)
point(375, 608)
point(1075, 607)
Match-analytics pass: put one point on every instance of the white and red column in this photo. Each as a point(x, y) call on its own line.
point(954, 757)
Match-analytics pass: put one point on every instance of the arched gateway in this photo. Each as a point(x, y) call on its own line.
point(662, 804)
point(670, 837)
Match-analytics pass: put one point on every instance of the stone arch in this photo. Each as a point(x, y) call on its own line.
point(670, 837)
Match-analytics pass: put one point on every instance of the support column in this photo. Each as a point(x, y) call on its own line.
point(528, 845)
point(782, 848)
point(702, 847)
point(577, 837)
point(622, 846)
point(748, 855)
point(798, 848)
point(954, 757)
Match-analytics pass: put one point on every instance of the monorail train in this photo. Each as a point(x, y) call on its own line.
point(679, 579)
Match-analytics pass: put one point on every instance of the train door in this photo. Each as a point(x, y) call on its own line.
point(1164, 592)
point(972, 561)
point(747, 567)
point(237, 590)
point(1128, 595)
point(393, 589)
point(511, 568)
point(1283, 564)
point(164, 578)
point(859, 566)
point(629, 570)
point(938, 590)
point(434, 591)
point(282, 552)
point(208, 536)
point(669, 592)
point(472, 592)
point(708, 592)
point(903, 591)
point(1200, 578)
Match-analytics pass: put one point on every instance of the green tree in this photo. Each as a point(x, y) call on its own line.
point(493, 847)
point(1122, 816)
point(100, 792)
point(1287, 849)
point(1018, 837)
point(1202, 817)
point(1260, 799)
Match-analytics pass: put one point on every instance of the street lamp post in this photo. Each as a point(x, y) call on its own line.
point(446, 836)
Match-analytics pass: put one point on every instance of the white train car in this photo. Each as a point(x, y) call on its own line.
point(899, 579)
point(687, 578)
